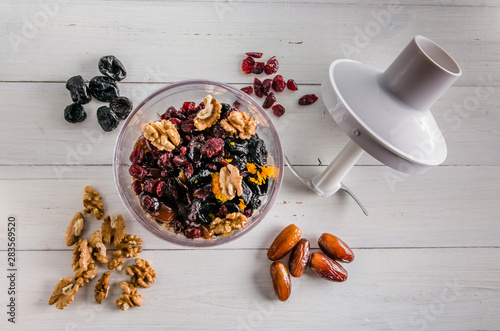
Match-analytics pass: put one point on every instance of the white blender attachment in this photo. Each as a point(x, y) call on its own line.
point(386, 113)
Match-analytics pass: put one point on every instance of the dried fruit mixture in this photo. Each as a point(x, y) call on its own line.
point(201, 170)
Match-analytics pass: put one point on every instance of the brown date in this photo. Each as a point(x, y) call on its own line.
point(299, 258)
point(281, 280)
point(327, 268)
point(335, 248)
point(284, 242)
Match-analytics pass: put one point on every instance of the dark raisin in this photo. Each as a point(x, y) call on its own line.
point(257, 87)
point(104, 88)
point(247, 89)
point(112, 67)
point(225, 108)
point(258, 68)
point(247, 65)
point(308, 99)
point(78, 90)
point(272, 66)
point(121, 106)
point(278, 110)
point(270, 100)
point(256, 55)
point(291, 85)
point(137, 155)
point(74, 113)
point(206, 209)
point(239, 162)
point(247, 194)
point(279, 83)
point(107, 119)
point(266, 86)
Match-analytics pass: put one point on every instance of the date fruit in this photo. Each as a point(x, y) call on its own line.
point(327, 268)
point(335, 248)
point(299, 258)
point(281, 281)
point(284, 242)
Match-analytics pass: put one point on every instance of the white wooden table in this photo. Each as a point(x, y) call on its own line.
point(428, 255)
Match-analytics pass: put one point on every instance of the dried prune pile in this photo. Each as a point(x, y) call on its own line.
point(102, 88)
point(182, 189)
point(278, 84)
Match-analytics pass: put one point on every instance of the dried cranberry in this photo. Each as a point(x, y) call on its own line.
point(308, 99)
point(213, 167)
point(183, 150)
point(292, 85)
point(278, 110)
point(154, 151)
point(175, 121)
point(180, 160)
point(270, 100)
point(136, 185)
point(188, 126)
point(169, 113)
point(138, 172)
point(188, 171)
point(137, 155)
point(248, 90)
point(149, 204)
point(279, 83)
point(192, 233)
point(165, 162)
point(223, 211)
point(203, 192)
point(247, 212)
point(236, 106)
point(256, 55)
point(272, 66)
point(150, 185)
point(201, 105)
point(266, 86)
point(177, 226)
point(212, 147)
point(259, 68)
point(257, 86)
point(161, 188)
point(217, 131)
point(189, 106)
point(247, 65)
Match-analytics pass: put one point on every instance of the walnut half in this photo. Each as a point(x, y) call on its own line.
point(233, 221)
point(75, 229)
point(64, 293)
point(82, 276)
point(81, 255)
point(102, 287)
point(113, 230)
point(209, 115)
point(129, 298)
point(239, 124)
point(92, 202)
point(230, 182)
point(163, 134)
point(142, 273)
point(129, 247)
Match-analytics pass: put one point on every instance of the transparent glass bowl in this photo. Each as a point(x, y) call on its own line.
point(175, 95)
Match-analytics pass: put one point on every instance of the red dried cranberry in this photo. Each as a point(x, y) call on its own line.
point(236, 106)
point(137, 155)
point(270, 100)
point(136, 185)
point(149, 204)
point(138, 172)
point(248, 90)
point(161, 188)
point(177, 226)
point(223, 211)
point(292, 85)
point(175, 121)
point(256, 55)
point(212, 147)
point(200, 106)
point(259, 68)
point(217, 131)
point(188, 126)
point(188, 171)
point(169, 113)
point(150, 185)
point(308, 99)
point(247, 65)
point(247, 212)
point(180, 160)
point(266, 85)
point(212, 166)
point(165, 161)
point(257, 87)
point(279, 83)
point(278, 110)
point(183, 150)
point(272, 66)
point(154, 151)
point(192, 233)
point(189, 106)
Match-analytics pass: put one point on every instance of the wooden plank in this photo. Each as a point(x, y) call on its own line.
point(446, 207)
point(164, 39)
point(465, 114)
point(395, 289)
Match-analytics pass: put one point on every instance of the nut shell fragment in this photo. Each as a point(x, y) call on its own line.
point(239, 124)
point(102, 287)
point(209, 115)
point(162, 134)
point(75, 229)
point(92, 202)
point(113, 230)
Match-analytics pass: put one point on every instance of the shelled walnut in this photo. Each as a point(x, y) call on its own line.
point(102, 287)
point(92, 202)
point(129, 247)
point(113, 230)
point(115, 263)
point(64, 293)
point(74, 230)
point(81, 255)
point(82, 276)
point(129, 298)
point(239, 124)
point(98, 248)
point(233, 221)
point(209, 115)
point(230, 182)
point(142, 274)
point(163, 134)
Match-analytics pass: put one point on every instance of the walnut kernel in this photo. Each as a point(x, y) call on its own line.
point(64, 293)
point(92, 202)
point(82, 276)
point(129, 247)
point(113, 230)
point(233, 221)
point(129, 298)
point(81, 255)
point(75, 229)
point(230, 182)
point(142, 273)
point(115, 263)
point(163, 135)
point(209, 115)
point(102, 287)
point(239, 124)
point(98, 248)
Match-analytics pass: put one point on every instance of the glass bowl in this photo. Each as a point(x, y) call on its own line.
point(175, 95)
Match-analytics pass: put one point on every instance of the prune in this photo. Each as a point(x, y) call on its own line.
point(239, 162)
point(237, 146)
point(112, 67)
point(247, 194)
point(256, 188)
point(232, 207)
point(78, 90)
point(258, 152)
point(201, 178)
point(194, 210)
point(107, 119)
point(121, 106)
point(206, 209)
point(226, 108)
point(74, 113)
point(104, 88)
